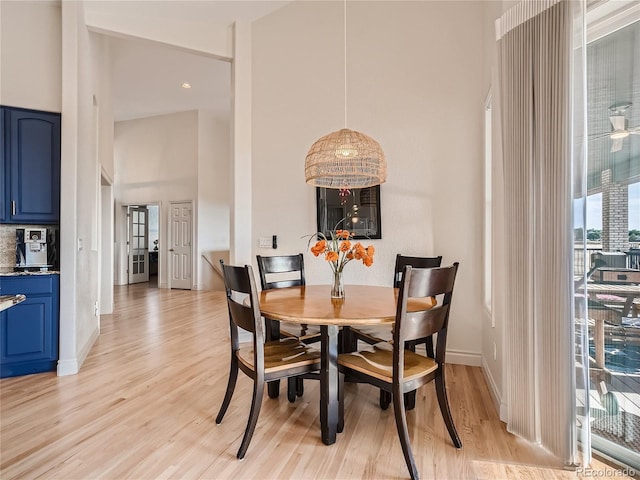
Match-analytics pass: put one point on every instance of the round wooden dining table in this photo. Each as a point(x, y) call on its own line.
point(312, 304)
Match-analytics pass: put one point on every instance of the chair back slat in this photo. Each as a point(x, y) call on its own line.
point(242, 300)
point(423, 283)
point(416, 262)
point(281, 271)
point(425, 323)
point(242, 315)
point(437, 281)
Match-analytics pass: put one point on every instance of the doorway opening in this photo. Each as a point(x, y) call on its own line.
point(106, 244)
point(142, 259)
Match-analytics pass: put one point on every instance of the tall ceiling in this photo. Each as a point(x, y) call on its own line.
point(147, 79)
point(147, 76)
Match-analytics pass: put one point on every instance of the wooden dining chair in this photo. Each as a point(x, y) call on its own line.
point(261, 361)
point(281, 271)
point(397, 370)
point(373, 334)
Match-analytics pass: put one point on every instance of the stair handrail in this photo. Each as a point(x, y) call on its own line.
point(215, 269)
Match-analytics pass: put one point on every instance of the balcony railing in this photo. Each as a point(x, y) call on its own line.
point(633, 259)
point(579, 262)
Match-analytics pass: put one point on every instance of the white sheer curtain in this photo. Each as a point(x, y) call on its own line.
point(537, 70)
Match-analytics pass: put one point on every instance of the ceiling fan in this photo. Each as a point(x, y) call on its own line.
point(620, 125)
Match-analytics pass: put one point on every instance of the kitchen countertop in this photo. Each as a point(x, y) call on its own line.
point(7, 301)
point(8, 272)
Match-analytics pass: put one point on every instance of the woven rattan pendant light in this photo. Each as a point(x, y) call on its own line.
point(346, 158)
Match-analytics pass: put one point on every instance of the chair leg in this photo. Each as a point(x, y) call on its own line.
point(410, 400)
point(273, 388)
point(385, 399)
point(292, 389)
point(444, 408)
point(231, 385)
point(403, 433)
point(340, 402)
point(272, 328)
point(256, 403)
point(299, 386)
point(273, 333)
point(410, 397)
point(348, 340)
point(429, 346)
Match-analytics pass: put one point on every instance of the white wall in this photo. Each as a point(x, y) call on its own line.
point(493, 322)
point(413, 86)
point(214, 196)
point(90, 55)
point(241, 173)
point(83, 63)
point(107, 218)
point(105, 106)
point(31, 69)
point(104, 137)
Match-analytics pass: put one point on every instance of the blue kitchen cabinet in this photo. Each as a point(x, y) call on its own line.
point(4, 180)
point(29, 331)
point(31, 151)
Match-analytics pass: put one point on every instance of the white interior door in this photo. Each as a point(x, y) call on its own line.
point(180, 255)
point(138, 244)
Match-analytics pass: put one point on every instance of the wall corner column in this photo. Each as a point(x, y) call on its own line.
point(241, 178)
point(68, 356)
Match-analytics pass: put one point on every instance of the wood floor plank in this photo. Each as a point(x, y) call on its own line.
point(144, 404)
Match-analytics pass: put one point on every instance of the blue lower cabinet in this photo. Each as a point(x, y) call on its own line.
point(29, 331)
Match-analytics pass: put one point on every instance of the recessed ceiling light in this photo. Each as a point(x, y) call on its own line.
point(186, 85)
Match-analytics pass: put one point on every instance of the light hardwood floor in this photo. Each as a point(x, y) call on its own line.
point(144, 403)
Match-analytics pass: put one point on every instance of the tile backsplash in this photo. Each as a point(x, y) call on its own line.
point(8, 242)
point(7, 245)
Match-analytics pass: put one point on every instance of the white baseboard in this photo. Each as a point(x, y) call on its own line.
point(87, 346)
point(67, 367)
point(72, 366)
point(163, 285)
point(496, 395)
point(464, 358)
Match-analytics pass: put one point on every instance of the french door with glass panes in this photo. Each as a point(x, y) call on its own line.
point(138, 244)
point(607, 245)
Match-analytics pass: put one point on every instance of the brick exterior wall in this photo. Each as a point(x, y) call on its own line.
point(615, 215)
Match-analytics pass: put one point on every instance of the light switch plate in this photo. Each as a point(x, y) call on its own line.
point(265, 242)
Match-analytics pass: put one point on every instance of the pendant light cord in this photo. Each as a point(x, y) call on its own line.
point(345, 63)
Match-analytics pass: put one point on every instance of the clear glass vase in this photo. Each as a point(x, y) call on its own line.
point(337, 289)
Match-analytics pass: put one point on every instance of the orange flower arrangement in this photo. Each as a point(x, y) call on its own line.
point(339, 250)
